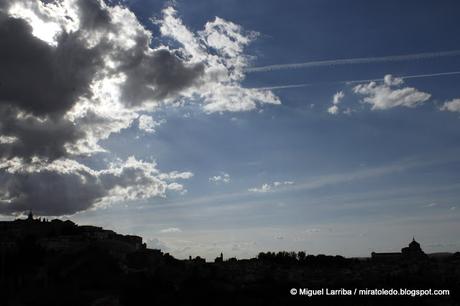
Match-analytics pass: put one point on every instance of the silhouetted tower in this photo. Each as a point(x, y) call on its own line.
point(30, 216)
point(220, 258)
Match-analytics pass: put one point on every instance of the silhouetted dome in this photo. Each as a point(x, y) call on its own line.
point(414, 244)
point(413, 250)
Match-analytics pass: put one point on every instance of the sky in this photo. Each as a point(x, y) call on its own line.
point(235, 126)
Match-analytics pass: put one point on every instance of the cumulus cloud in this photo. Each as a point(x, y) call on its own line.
point(219, 47)
point(222, 178)
point(148, 124)
point(336, 99)
point(75, 72)
point(7, 139)
point(63, 187)
point(451, 106)
point(68, 88)
point(270, 186)
point(389, 94)
point(333, 110)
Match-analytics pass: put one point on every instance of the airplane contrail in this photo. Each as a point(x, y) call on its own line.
point(404, 77)
point(350, 61)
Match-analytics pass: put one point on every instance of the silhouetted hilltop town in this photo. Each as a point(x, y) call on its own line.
point(58, 262)
point(65, 236)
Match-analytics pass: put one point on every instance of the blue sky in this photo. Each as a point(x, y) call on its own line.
point(300, 141)
point(299, 175)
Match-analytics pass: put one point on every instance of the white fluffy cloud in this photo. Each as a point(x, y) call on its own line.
point(270, 186)
point(148, 124)
point(220, 48)
point(336, 99)
point(389, 95)
point(451, 106)
point(7, 139)
point(333, 110)
point(222, 178)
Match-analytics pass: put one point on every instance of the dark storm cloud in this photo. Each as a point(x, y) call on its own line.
point(92, 15)
point(157, 76)
point(150, 75)
point(4, 4)
point(50, 193)
point(39, 78)
point(34, 137)
point(46, 81)
point(41, 82)
point(66, 187)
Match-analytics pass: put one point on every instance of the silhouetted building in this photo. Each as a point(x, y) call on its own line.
point(413, 251)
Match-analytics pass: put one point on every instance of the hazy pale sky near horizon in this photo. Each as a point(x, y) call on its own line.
point(361, 156)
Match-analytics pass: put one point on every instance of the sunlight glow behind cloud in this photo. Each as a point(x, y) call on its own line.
point(106, 75)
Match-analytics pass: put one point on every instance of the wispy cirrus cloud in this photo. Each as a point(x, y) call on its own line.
point(170, 230)
point(357, 81)
point(354, 61)
point(325, 180)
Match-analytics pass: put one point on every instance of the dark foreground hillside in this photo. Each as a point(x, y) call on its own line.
point(60, 263)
